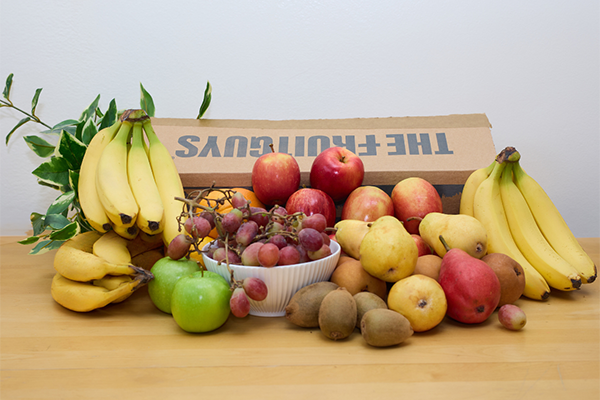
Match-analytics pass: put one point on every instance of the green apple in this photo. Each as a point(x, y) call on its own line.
point(166, 273)
point(200, 302)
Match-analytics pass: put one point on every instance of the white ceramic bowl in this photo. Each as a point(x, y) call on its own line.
point(282, 281)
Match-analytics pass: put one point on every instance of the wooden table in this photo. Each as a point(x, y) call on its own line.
point(131, 350)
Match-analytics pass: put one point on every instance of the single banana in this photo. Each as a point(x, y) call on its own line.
point(85, 296)
point(126, 232)
point(168, 182)
point(468, 193)
point(529, 239)
point(75, 260)
point(112, 182)
point(150, 218)
point(88, 195)
point(111, 282)
point(488, 209)
point(113, 248)
point(553, 226)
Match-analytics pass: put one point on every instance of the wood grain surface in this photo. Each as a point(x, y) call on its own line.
point(132, 350)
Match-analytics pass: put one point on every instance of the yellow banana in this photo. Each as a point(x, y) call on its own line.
point(111, 282)
point(126, 232)
point(529, 239)
point(112, 182)
point(553, 226)
point(468, 193)
point(150, 218)
point(113, 248)
point(488, 209)
point(88, 195)
point(85, 296)
point(74, 260)
point(168, 182)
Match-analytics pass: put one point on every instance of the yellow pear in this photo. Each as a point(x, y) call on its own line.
point(388, 251)
point(349, 233)
point(459, 231)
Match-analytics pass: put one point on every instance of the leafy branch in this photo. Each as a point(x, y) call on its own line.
point(60, 169)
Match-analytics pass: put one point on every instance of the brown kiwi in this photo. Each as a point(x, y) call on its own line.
point(383, 327)
point(337, 314)
point(366, 301)
point(303, 308)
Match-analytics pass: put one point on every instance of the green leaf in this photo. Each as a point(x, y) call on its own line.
point(74, 182)
point(34, 101)
point(38, 223)
point(91, 110)
point(71, 150)
point(29, 240)
point(61, 204)
point(7, 86)
point(68, 125)
point(56, 221)
point(88, 132)
point(54, 172)
point(17, 126)
point(146, 102)
point(110, 116)
point(67, 232)
point(205, 101)
point(45, 246)
point(39, 146)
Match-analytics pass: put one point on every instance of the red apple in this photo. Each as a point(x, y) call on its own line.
point(275, 176)
point(414, 197)
point(367, 203)
point(337, 171)
point(422, 245)
point(312, 201)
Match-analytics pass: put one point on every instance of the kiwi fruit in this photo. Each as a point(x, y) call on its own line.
point(303, 307)
point(366, 301)
point(383, 327)
point(337, 314)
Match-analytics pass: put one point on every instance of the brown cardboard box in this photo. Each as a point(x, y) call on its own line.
point(443, 150)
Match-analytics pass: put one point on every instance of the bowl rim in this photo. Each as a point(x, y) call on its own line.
point(276, 267)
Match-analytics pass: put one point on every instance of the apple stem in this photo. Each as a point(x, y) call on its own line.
point(414, 218)
point(272, 147)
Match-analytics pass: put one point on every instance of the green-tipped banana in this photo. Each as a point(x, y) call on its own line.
point(488, 209)
point(529, 239)
point(553, 226)
point(88, 195)
point(168, 182)
point(112, 182)
point(150, 218)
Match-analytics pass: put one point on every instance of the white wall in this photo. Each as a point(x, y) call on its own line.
point(531, 66)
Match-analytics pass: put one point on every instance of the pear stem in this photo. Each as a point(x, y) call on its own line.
point(444, 243)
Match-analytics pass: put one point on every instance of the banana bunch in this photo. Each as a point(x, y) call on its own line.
point(94, 269)
point(522, 222)
point(129, 185)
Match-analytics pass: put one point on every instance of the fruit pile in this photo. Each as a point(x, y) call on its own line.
point(405, 264)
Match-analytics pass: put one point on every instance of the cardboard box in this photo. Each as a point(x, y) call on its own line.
point(443, 150)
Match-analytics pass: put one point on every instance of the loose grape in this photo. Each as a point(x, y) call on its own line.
point(310, 239)
point(246, 233)
point(326, 238)
point(323, 252)
point(289, 255)
point(197, 227)
point(303, 254)
point(179, 246)
point(209, 217)
point(250, 254)
point(239, 303)
point(255, 288)
point(268, 255)
point(238, 200)
point(259, 215)
point(232, 221)
point(278, 240)
point(222, 255)
point(315, 221)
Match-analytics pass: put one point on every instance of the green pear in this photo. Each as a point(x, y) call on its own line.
point(349, 233)
point(388, 251)
point(460, 231)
